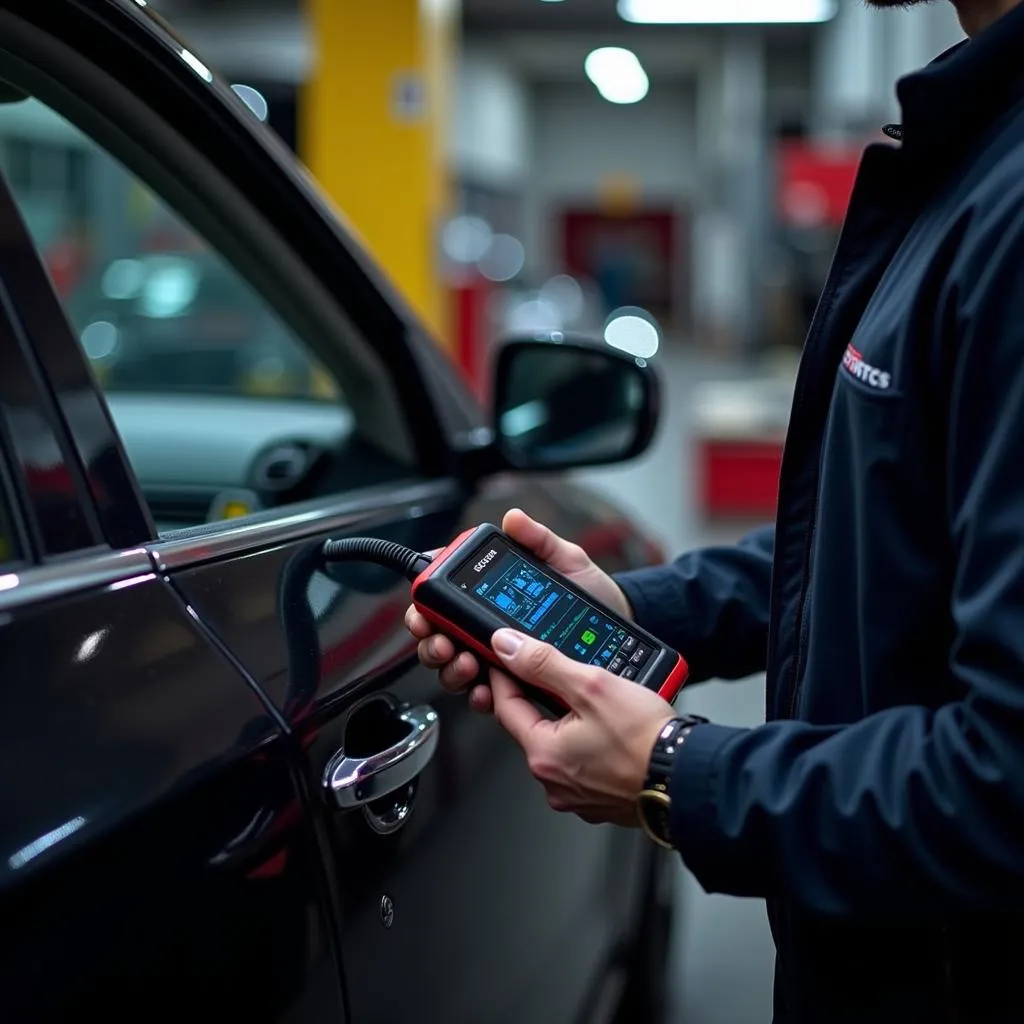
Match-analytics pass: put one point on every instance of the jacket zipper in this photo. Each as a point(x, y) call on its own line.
point(801, 619)
point(836, 274)
point(800, 626)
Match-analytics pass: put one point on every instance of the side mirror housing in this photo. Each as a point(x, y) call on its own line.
point(563, 402)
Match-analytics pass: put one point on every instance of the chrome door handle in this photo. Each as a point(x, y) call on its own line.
point(354, 781)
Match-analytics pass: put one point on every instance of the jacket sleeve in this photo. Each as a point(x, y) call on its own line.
point(911, 812)
point(710, 604)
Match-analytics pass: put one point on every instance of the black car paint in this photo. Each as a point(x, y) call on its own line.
point(167, 848)
point(481, 845)
point(186, 867)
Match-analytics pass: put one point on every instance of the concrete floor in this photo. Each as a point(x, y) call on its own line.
point(722, 945)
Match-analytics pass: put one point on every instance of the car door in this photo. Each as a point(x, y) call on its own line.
point(472, 901)
point(156, 860)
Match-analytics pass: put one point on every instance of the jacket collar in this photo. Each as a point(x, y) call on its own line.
point(950, 102)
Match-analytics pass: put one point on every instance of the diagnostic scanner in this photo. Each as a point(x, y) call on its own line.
point(484, 581)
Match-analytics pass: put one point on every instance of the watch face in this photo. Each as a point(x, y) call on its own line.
point(653, 808)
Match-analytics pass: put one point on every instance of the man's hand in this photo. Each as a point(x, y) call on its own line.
point(459, 670)
point(593, 761)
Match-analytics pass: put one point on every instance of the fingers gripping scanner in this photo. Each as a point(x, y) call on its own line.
point(484, 581)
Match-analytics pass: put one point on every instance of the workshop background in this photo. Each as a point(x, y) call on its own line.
point(671, 174)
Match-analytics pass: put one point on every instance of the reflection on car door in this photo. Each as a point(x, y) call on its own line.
point(481, 905)
point(156, 863)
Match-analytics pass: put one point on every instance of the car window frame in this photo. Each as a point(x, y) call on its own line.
point(38, 575)
point(13, 508)
point(147, 160)
point(24, 387)
point(36, 318)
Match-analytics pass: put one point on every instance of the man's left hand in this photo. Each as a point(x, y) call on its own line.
point(592, 762)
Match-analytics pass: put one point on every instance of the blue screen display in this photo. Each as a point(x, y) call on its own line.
point(534, 603)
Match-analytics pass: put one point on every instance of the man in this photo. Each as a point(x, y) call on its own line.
point(880, 811)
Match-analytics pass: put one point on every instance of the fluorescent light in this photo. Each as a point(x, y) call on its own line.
point(726, 12)
point(633, 331)
point(617, 74)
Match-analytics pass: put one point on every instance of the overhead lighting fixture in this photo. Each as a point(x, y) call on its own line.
point(633, 330)
point(617, 74)
point(726, 12)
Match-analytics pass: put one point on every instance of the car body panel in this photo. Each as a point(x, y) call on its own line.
point(172, 834)
point(481, 844)
point(150, 820)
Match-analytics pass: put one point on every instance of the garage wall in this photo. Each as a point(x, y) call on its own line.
point(863, 52)
point(490, 134)
point(579, 142)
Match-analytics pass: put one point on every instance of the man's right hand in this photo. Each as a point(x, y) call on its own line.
point(460, 669)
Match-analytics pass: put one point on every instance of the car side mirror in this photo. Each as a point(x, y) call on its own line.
point(562, 402)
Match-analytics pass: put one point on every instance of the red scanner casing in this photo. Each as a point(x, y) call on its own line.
point(470, 622)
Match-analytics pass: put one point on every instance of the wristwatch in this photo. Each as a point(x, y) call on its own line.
point(654, 804)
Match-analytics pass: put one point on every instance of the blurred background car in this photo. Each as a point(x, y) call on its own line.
point(178, 321)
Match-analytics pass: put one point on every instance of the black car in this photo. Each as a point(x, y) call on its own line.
point(184, 685)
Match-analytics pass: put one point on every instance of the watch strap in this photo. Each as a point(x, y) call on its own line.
point(659, 769)
point(654, 805)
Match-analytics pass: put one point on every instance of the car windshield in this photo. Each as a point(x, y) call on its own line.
point(182, 322)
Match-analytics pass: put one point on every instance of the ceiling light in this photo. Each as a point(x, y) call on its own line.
point(632, 330)
point(726, 12)
point(617, 74)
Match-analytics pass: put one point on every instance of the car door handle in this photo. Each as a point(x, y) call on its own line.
point(354, 781)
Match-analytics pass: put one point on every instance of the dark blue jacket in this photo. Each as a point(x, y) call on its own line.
point(880, 810)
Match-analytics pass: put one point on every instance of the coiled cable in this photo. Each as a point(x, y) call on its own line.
point(403, 560)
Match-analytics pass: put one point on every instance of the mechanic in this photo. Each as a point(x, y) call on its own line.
point(880, 810)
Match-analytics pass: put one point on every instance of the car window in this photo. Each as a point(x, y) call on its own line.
point(222, 407)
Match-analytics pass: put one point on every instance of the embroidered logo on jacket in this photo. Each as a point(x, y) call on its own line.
point(854, 365)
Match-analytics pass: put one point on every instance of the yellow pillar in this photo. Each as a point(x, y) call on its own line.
point(373, 125)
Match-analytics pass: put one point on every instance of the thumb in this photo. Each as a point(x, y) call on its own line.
point(559, 553)
point(539, 664)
